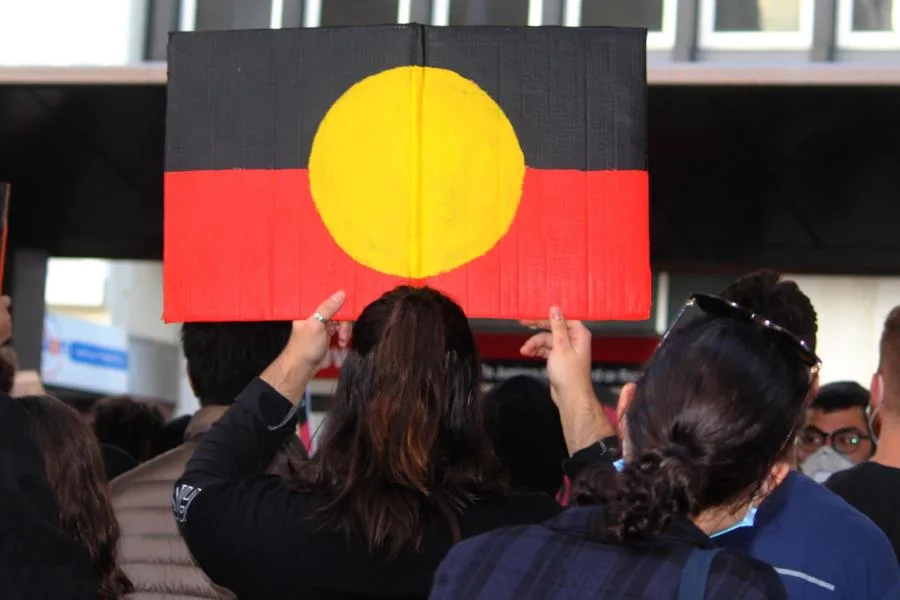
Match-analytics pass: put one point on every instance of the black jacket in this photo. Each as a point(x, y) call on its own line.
point(253, 534)
point(37, 560)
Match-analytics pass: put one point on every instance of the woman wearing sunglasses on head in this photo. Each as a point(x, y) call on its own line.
point(704, 428)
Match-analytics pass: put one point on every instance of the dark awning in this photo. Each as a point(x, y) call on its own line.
point(803, 178)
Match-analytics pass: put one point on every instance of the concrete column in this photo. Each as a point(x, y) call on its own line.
point(29, 279)
point(134, 299)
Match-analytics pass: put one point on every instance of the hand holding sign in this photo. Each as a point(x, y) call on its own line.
point(295, 367)
point(567, 348)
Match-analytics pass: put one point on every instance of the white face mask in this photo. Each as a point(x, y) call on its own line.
point(823, 463)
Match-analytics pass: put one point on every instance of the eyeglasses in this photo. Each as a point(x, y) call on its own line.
point(845, 440)
point(716, 307)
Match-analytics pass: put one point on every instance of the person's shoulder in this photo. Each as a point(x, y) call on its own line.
point(739, 569)
point(498, 546)
point(160, 472)
point(514, 508)
point(824, 507)
point(859, 476)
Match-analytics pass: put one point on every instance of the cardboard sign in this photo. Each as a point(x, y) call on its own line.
point(503, 166)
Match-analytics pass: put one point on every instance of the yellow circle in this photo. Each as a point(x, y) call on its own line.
point(416, 171)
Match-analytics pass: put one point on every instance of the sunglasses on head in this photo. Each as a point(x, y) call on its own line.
point(716, 307)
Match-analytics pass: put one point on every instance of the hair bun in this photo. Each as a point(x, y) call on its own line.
point(652, 487)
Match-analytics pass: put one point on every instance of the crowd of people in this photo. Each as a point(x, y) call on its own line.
point(729, 472)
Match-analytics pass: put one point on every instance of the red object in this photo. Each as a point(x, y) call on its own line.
point(505, 346)
point(578, 241)
point(306, 437)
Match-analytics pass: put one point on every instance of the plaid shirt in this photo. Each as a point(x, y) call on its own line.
point(567, 558)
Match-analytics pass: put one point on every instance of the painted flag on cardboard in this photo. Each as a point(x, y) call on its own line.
point(504, 166)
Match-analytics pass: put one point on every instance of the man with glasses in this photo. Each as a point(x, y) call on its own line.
point(874, 486)
point(836, 434)
point(822, 547)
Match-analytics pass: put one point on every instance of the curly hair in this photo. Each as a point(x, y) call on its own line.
point(780, 300)
point(75, 471)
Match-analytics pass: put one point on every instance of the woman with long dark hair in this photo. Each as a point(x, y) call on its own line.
point(74, 468)
point(705, 427)
point(404, 466)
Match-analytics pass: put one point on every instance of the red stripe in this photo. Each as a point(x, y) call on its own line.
point(249, 245)
point(505, 346)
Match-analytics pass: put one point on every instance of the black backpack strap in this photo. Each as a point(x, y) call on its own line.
point(695, 575)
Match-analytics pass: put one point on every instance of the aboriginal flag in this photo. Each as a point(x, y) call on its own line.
point(503, 166)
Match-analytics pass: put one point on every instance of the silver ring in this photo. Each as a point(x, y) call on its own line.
point(320, 318)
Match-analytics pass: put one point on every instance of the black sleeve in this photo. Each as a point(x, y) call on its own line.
point(239, 523)
point(245, 440)
point(600, 454)
point(37, 560)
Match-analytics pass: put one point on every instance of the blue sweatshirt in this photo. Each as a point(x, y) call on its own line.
point(823, 548)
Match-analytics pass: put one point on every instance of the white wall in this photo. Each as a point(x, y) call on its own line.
point(851, 314)
point(72, 32)
point(134, 298)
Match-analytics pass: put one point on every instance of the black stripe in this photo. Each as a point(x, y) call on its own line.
point(253, 99)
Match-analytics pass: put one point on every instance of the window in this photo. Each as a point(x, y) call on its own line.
point(869, 24)
point(487, 12)
point(354, 12)
point(64, 33)
point(756, 24)
point(658, 16)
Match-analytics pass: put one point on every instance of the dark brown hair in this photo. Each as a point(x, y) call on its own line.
point(128, 424)
point(715, 408)
point(405, 439)
point(75, 471)
point(781, 300)
point(9, 365)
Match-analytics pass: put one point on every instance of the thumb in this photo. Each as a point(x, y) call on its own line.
point(559, 329)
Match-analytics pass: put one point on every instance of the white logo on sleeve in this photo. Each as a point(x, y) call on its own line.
point(181, 500)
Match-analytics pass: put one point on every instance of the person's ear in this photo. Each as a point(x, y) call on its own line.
point(776, 475)
point(814, 387)
point(187, 373)
point(876, 391)
point(625, 398)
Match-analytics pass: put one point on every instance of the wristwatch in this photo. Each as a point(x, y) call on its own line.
point(602, 452)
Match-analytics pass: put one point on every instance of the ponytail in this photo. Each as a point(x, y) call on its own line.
point(651, 489)
point(409, 364)
point(404, 441)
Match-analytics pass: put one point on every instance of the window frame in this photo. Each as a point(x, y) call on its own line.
point(312, 12)
point(711, 39)
point(440, 13)
point(664, 39)
point(850, 39)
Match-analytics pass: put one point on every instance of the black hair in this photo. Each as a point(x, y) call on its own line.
point(715, 408)
point(128, 424)
point(405, 439)
point(781, 301)
point(222, 358)
point(528, 437)
point(841, 395)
